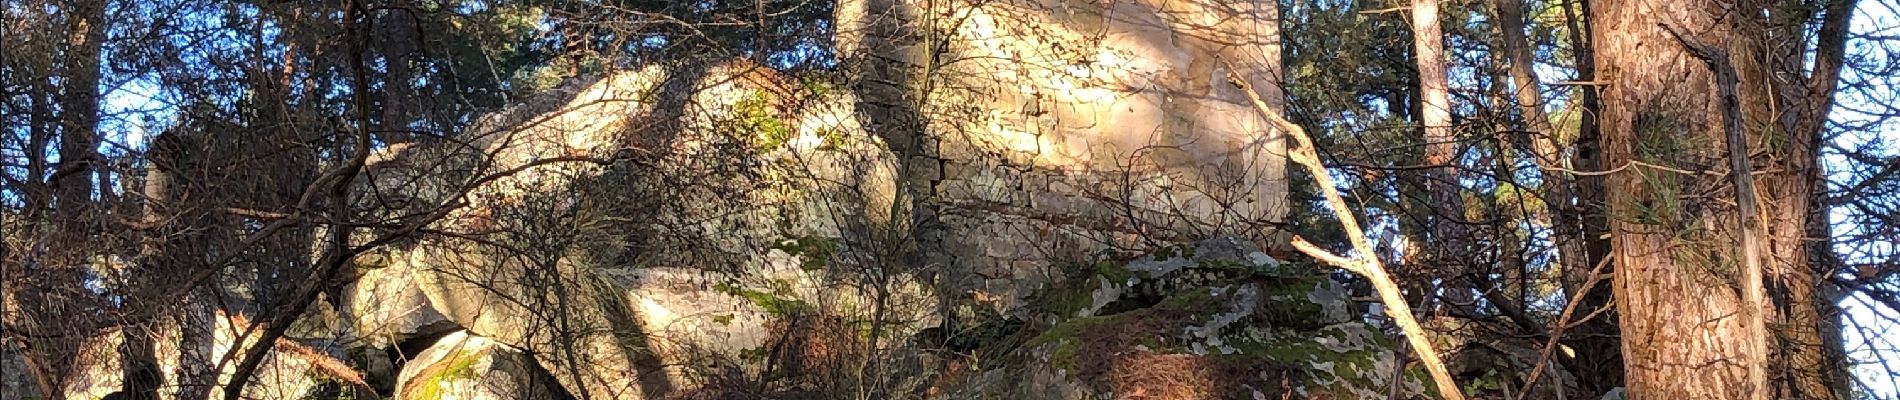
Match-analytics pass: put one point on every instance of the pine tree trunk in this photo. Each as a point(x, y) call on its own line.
point(1680, 277)
point(1683, 319)
point(1598, 361)
point(1447, 244)
point(79, 117)
point(1809, 347)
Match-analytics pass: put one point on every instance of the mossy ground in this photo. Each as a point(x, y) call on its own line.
point(1286, 346)
point(1142, 353)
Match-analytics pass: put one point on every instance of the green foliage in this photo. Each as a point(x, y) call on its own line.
point(486, 56)
point(1065, 337)
point(813, 252)
point(1660, 139)
point(1491, 381)
point(1076, 292)
point(1063, 300)
point(755, 354)
point(757, 117)
point(830, 138)
point(463, 367)
point(1774, 140)
point(1331, 361)
point(327, 387)
point(460, 365)
point(777, 302)
point(1348, 368)
point(1167, 252)
point(1661, 202)
point(1115, 271)
point(820, 84)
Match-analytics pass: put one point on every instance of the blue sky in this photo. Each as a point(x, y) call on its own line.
point(1878, 354)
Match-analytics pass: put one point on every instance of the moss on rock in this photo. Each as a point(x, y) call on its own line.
point(1211, 320)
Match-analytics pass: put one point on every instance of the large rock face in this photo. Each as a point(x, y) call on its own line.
point(650, 226)
point(1044, 130)
point(386, 306)
point(653, 225)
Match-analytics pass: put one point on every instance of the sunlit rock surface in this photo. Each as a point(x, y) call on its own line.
point(385, 305)
point(464, 367)
point(1048, 129)
point(654, 223)
point(640, 230)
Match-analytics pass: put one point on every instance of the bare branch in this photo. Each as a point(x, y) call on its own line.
point(1365, 262)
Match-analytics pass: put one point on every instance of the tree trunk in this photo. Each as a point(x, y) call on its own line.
point(1446, 239)
point(73, 182)
point(397, 44)
point(79, 119)
point(1598, 361)
point(39, 136)
point(1527, 90)
point(1808, 349)
point(48, 359)
point(1680, 263)
point(1683, 327)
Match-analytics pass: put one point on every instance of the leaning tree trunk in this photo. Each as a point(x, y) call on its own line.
point(1598, 361)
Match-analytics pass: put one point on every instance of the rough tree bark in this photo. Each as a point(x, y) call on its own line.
point(1428, 39)
point(1527, 91)
point(1808, 354)
point(79, 117)
point(1748, 205)
point(155, 251)
point(1683, 321)
point(398, 43)
point(74, 186)
point(1681, 278)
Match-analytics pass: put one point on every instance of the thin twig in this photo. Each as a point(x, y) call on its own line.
point(1386, 10)
point(1557, 329)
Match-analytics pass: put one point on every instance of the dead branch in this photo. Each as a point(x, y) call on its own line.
point(1366, 262)
point(1753, 236)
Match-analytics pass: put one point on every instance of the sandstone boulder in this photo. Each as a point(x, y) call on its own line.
point(719, 173)
point(467, 367)
point(385, 306)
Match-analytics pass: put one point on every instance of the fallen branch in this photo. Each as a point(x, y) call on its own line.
point(1365, 262)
